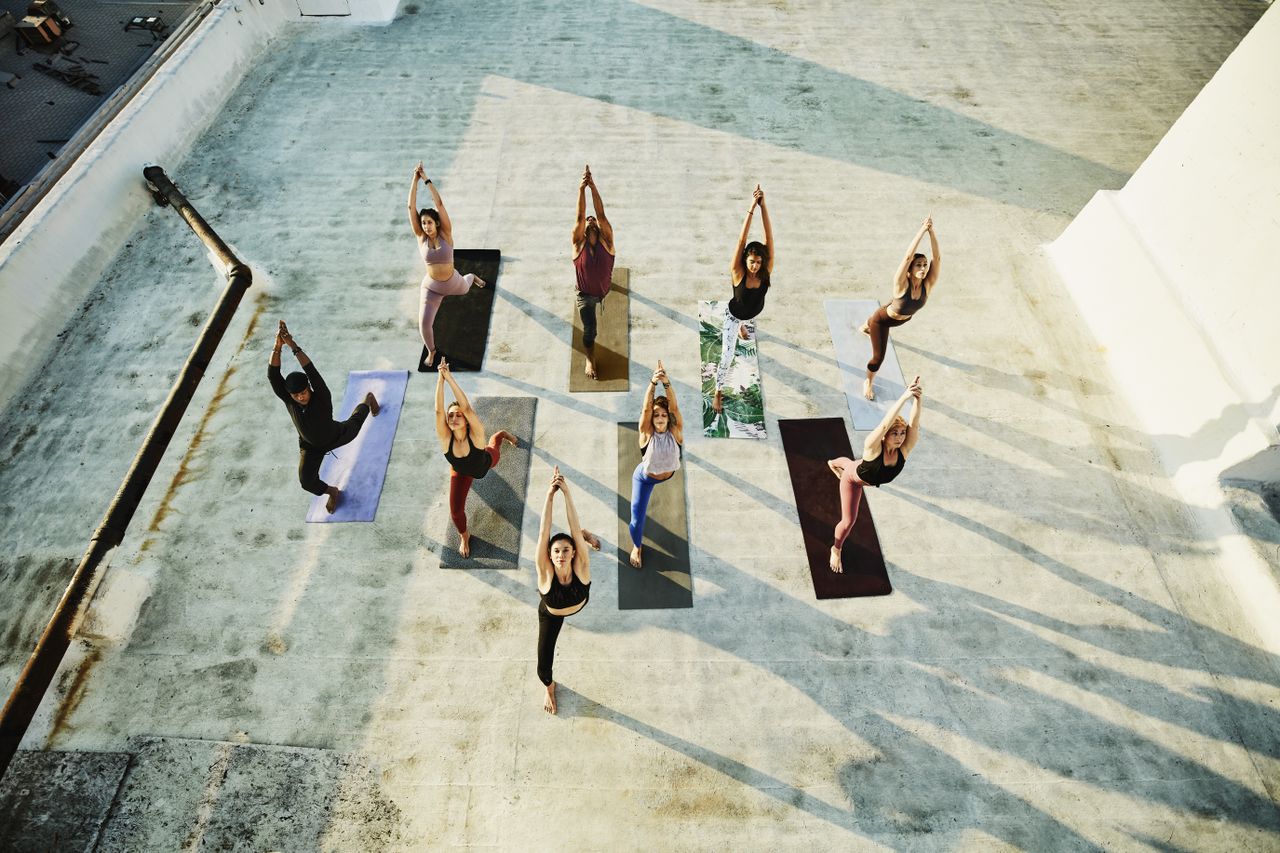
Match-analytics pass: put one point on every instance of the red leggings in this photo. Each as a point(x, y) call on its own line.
point(460, 486)
point(850, 498)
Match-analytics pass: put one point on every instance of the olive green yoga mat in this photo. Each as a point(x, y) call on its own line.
point(495, 507)
point(613, 326)
point(665, 580)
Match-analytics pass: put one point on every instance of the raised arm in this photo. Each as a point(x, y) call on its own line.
point(677, 423)
point(475, 429)
point(597, 203)
point(913, 425)
point(646, 410)
point(871, 447)
point(738, 268)
point(580, 225)
point(543, 559)
point(273, 365)
point(442, 423)
point(446, 225)
point(768, 229)
point(414, 219)
point(932, 278)
point(581, 550)
point(900, 277)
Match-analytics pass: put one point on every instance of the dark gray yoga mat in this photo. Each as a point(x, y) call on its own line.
point(665, 580)
point(613, 329)
point(495, 507)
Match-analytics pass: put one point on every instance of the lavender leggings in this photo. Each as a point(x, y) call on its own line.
point(431, 294)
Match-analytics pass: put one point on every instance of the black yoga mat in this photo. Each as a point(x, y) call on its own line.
point(495, 507)
point(613, 327)
point(808, 444)
point(462, 324)
point(665, 580)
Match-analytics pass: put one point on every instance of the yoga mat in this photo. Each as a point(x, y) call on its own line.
point(462, 324)
point(665, 580)
point(613, 351)
point(853, 351)
point(359, 468)
point(742, 410)
point(808, 444)
point(495, 507)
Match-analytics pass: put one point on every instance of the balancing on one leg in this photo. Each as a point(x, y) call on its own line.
point(564, 579)
point(462, 439)
point(751, 271)
point(912, 284)
point(661, 437)
point(592, 263)
point(884, 455)
point(310, 406)
point(434, 231)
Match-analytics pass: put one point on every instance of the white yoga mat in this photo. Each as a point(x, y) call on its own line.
point(358, 469)
point(853, 351)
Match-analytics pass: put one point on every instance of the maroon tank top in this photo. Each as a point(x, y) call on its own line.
point(594, 267)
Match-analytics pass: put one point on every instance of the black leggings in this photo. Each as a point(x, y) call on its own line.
point(311, 456)
point(549, 626)
point(879, 324)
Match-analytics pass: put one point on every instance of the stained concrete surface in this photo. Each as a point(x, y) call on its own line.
point(57, 800)
point(1061, 665)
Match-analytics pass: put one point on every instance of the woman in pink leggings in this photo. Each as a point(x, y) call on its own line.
point(884, 455)
point(463, 441)
point(434, 231)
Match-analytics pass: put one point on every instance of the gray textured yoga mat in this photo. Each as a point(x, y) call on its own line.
point(495, 507)
point(853, 351)
point(613, 349)
point(665, 581)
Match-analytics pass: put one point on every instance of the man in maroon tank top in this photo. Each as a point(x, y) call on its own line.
point(592, 262)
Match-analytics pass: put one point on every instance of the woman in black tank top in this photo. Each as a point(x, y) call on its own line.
point(564, 579)
point(750, 277)
point(912, 284)
point(884, 455)
point(462, 439)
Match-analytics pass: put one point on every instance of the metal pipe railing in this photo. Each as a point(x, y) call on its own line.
point(42, 666)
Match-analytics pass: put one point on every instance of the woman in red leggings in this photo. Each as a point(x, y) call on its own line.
point(463, 441)
point(912, 284)
point(884, 455)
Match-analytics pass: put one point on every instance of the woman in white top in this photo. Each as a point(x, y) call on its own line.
point(661, 434)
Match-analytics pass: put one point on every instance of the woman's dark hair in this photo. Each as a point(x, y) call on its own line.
point(430, 211)
point(661, 400)
point(566, 537)
point(755, 247)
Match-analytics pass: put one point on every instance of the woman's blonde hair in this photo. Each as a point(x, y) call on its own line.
point(897, 421)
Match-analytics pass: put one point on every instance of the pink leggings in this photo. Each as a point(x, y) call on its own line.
point(850, 498)
point(460, 486)
point(431, 294)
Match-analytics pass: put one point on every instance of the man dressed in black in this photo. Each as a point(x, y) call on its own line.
point(307, 398)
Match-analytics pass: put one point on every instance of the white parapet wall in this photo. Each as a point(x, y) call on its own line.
point(1177, 275)
point(49, 263)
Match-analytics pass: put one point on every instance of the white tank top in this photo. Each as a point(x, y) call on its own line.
point(661, 454)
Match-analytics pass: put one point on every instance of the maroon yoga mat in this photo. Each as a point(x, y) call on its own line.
point(809, 443)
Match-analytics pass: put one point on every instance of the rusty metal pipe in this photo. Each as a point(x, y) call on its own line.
point(43, 664)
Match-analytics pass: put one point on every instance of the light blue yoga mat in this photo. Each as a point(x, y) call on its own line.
point(358, 469)
point(853, 351)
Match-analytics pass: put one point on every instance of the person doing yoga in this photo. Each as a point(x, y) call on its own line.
point(884, 455)
point(463, 441)
point(564, 579)
point(434, 231)
point(751, 270)
point(912, 284)
point(661, 436)
point(592, 263)
point(310, 406)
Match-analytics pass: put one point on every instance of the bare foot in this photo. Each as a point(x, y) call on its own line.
point(465, 548)
point(834, 562)
point(332, 504)
point(372, 402)
point(717, 402)
point(431, 358)
point(591, 362)
point(635, 557)
point(868, 390)
point(509, 438)
point(550, 705)
point(835, 469)
point(479, 282)
point(865, 328)
point(742, 332)
point(592, 539)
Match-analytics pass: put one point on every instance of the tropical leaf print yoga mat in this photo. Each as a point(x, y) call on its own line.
point(742, 412)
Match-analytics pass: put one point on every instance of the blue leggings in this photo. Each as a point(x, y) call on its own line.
point(641, 488)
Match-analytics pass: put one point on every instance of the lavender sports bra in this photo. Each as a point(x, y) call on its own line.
point(442, 255)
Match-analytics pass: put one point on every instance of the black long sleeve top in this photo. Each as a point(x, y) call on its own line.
point(314, 421)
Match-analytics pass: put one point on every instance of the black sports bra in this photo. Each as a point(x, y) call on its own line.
point(475, 464)
point(562, 596)
point(874, 472)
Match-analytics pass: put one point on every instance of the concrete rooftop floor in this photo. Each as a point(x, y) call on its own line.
point(1061, 665)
